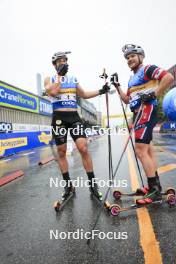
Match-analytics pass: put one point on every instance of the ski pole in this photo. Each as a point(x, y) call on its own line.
point(105, 76)
point(137, 163)
point(115, 81)
point(124, 149)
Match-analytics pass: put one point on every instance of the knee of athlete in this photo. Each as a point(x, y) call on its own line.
point(62, 153)
point(141, 153)
point(83, 150)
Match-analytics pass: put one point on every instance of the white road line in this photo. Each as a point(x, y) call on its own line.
point(25, 154)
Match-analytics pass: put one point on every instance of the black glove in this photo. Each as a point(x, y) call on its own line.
point(62, 69)
point(114, 80)
point(147, 97)
point(105, 89)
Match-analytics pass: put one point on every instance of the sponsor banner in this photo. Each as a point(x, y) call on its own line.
point(11, 143)
point(169, 126)
point(15, 98)
point(5, 127)
point(45, 107)
point(17, 127)
point(45, 128)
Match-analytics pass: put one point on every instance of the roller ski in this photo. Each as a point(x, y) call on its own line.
point(154, 196)
point(139, 192)
point(68, 193)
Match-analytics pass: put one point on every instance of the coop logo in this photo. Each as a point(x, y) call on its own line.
point(5, 127)
point(68, 103)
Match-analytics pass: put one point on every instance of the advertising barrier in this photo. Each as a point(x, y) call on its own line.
point(15, 98)
point(22, 138)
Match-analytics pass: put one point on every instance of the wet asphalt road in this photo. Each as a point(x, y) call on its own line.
point(27, 215)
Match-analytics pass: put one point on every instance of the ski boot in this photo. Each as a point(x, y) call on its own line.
point(142, 191)
point(95, 191)
point(153, 195)
point(68, 189)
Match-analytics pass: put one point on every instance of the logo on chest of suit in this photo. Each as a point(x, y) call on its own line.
point(58, 122)
point(68, 103)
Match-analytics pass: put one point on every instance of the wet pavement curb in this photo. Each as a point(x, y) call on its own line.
point(11, 177)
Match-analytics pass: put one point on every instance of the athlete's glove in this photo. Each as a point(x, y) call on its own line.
point(62, 69)
point(105, 89)
point(115, 80)
point(147, 97)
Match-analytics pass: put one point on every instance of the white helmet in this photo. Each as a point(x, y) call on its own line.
point(131, 48)
point(59, 55)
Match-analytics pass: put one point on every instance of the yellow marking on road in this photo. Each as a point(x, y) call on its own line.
point(149, 243)
point(167, 168)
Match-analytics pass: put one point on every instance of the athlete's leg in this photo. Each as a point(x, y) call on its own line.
point(152, 154)
point(62, 160)
point(81, 144)
point(142, 151)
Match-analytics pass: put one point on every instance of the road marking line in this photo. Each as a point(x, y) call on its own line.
point(149, 243)
point(167, 151)
point(167, 168)
point(25, 154)
point(5, 160)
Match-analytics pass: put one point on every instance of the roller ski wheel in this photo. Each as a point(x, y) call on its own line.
point(115, 209)
point(171, 199)
point(57, 206)
point(117, 195)
point(170, 190)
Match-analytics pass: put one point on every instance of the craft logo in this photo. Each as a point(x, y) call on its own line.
point(44, 138)
point(12, 143)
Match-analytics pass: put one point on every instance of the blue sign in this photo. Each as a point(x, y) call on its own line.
point(15, 98)
point(169, 126)
point(45, 107)
point(12, 143)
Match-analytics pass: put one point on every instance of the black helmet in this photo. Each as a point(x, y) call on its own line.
point(59, 55)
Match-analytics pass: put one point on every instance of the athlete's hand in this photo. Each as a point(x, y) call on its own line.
point(62, 69)
point(105, 89)
point(148, 97)
point(114, 80)
point(53, 91)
